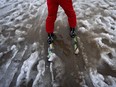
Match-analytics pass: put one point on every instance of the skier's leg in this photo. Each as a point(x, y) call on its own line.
point(68, 8)
point(52, 14)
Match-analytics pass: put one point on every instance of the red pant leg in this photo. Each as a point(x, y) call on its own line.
point(68, 8)
point(52, 14)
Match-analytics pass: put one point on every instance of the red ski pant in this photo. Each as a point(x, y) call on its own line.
point(52, 13)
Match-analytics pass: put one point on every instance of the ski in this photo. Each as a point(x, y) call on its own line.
point(75, 45)
point(50, 56)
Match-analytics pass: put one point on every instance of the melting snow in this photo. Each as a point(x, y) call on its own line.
point(92, 15)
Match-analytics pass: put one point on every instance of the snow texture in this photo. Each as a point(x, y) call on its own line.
point(23, 48)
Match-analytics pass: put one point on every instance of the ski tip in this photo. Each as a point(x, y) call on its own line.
point(52, 57)
point(77, 51)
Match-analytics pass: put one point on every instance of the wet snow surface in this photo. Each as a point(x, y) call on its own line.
point(23, 47)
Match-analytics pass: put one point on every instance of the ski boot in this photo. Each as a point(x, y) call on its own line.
point(50, 38)
point(72, 32)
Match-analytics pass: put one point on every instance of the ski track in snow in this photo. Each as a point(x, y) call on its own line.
point(23, 47)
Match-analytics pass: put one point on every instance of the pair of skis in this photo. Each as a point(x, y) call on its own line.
point(74, 44)
point(51, 55)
